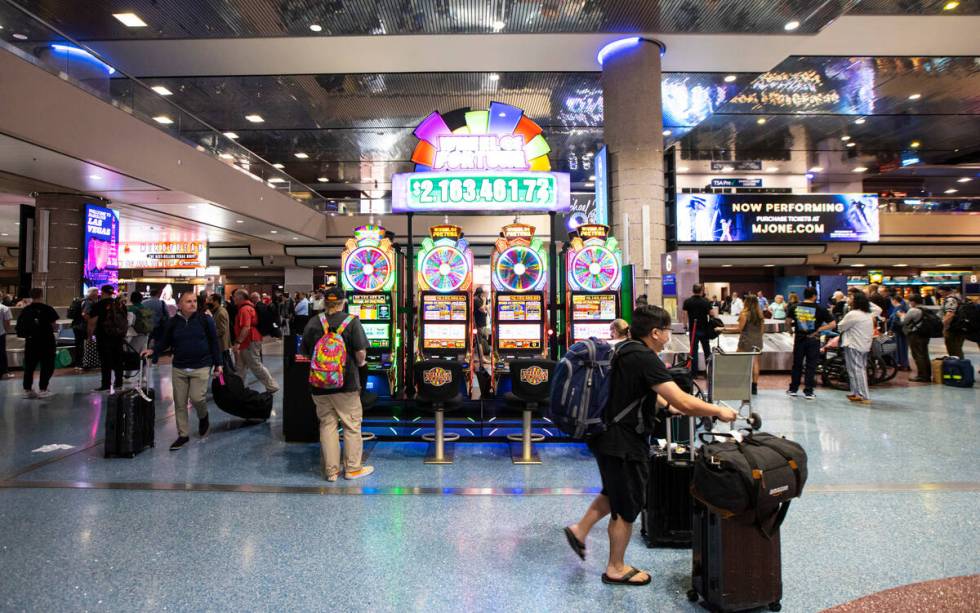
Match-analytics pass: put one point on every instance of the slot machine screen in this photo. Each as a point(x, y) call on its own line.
point(519, 336)
point(593, 307)
point(378, 335)
point(445, 307)
point(582, 331)
point(444, 335)
point(370, 307)
point(519, 307)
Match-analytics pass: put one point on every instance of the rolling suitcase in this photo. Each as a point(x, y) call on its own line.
point(232, 397)
point(130, 419)
point(957, 372)
point(667, 512)
point(734, 566)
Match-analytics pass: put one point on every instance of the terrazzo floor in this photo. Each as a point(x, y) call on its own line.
point(891, 500)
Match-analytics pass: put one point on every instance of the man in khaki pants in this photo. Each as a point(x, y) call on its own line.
point(343, 405)
point(248, 342)
point(192, 337)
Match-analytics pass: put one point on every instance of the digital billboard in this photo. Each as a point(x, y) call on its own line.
point(101, 258)
point(767, 218)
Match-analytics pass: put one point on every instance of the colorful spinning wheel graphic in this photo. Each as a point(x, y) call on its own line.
point(595, 268)
point(367, 269)
point(445, 268)
point(519, 269)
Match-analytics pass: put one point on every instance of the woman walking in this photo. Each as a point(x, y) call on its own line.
point(750, 327)
point(857, 330)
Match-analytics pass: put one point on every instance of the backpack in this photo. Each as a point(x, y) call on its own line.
point(580, 389)
point(75, 311)
point(268, 317)
point(329, 356)
point(715, 326)
point(28, 324)
point(143, 320)
point(966, 321)
point(930, 326)
point(115, 323)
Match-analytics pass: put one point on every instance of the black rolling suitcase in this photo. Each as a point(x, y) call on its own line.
point(130, 420)
point(667, 512)
point(735, 566)
point(232, 397)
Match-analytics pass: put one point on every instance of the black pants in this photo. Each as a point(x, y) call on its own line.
point(699, 339)
point(919, 344)
point(3, 353)
point(110, 354)
point(806, 354)
point(299, 324)
point(38, 354)
point(78, 353)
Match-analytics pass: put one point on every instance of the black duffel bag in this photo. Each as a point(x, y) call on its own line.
point(232, 397)
point(756, 477)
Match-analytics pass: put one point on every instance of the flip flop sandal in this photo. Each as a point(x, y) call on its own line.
point(625, 579)
point(577, 546)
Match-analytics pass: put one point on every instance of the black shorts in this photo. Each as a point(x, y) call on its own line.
point(624, 482)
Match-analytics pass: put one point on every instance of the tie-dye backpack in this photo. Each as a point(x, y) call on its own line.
point(329, 357)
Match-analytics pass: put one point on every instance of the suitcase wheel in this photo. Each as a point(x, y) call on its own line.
point(775, 606)
point(692, 595)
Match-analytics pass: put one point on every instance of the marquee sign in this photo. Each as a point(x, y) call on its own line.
point(144, 255)
point(480, 161)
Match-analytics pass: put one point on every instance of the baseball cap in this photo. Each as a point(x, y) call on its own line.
point(334, 294)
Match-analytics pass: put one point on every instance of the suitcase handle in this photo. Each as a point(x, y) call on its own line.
point(141, 381)
point(690, 444)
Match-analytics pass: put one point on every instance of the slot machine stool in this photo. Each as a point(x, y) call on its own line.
point(531, 389)
point(439, 384)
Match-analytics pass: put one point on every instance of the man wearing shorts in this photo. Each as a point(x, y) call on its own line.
point(623, 451)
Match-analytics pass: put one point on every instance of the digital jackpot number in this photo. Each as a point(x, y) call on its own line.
point(483, 190)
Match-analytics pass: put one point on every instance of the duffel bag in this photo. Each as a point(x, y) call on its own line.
point(758, 477)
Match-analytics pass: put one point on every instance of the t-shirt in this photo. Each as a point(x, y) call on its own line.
point(46, 317)
point(857, 329)
point(478, 315)
point(247, 316)
point(303, 307)
point(101, 310)
point(5, 316)
point(635, 371)
point(697, 308)
point(807, 317)
point(354, 338)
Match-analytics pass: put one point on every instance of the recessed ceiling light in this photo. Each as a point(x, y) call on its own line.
point(498, 25)
point(243, 266)
point(951, 190)
point(900, 265)
point(278, 165)
point(726, 265)
point(792, 25)
point(915, 96)
point(323, 179)
point(760, 120)
point(163, 91)
point(845, 138)
point(964, 180)
point(817, 169)
point(860, 169)
point(4, 234)
point(493, 76)
point(316, 27)
point(254, 118)
point(859, 120)
point(667, 132)
point(683, 169)
point(857, 265)
point(273, 231)
point(768, 265)
point(300, 155)
point(95, 177)
point(130, 20)
point(231, 135)
point(277, 180)
point(295, 238)
point(952, 4)
point(915, 144)
point(239, 221)
point(163, 119)
point(772, 169)
point(851, 145)
point(730, 78)
point(226, 156)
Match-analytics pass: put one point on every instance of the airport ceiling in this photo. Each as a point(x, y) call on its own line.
point(272, 18)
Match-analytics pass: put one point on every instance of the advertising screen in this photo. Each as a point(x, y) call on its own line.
point(593, 307)
point(443, 336)
point(378, 335)
point(767, 218)
point(519, 336)
point(445, 307)
point(175, 255)
point(370, 307)
point(519, 307)
point(101, 266)
point(582, 331)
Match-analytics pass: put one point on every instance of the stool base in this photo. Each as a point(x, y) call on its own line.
point(517, 455)
point(432, 454)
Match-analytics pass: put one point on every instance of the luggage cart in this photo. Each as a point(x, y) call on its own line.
point(730, 379)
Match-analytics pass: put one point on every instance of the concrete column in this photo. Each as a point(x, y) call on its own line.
point(297, 280)
point(65, 254)
point(633, 133)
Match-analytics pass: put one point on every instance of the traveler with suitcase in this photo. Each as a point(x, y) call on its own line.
point(951, 301)
point(193, 339)
point(636, 378)
point(919, 325)
point(248, 342)
point(108, 324)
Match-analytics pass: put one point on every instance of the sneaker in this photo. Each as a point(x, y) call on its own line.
point(45, 394)
point(810, 396)
point(29, 394)
point(333, 478)
point(357, 474)
point(180, 442)
point(792, 393)
point(203, 426)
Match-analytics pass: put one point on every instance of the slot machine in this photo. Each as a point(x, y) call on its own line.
point(593, 275)
point(519, 280)
point(368, 276)
point(445, 278)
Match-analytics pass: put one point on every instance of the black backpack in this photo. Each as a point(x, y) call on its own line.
point(29, 323)
point(930, 326)
point(268, 316)
point(966, 321)
point(75, 311)
point(115, 323)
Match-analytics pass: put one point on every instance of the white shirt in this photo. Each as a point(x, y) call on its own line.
point(5, 316)
point(737, 306)
point(857, 328)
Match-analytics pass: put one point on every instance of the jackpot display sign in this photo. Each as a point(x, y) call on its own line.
point(768, 218)
point(480, 160)
point(101, 262)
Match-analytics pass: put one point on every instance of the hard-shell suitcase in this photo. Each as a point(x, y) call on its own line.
point(735, 567)
point(667, 512)
point(957, 372)
point(130, 420)
point(232, 397)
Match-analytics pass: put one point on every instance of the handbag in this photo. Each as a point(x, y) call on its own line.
point(90, 354)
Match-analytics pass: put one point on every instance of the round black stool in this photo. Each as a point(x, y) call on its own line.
point(531, 385)
point(439, 384)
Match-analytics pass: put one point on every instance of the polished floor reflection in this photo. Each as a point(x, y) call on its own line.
point(239, 520)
